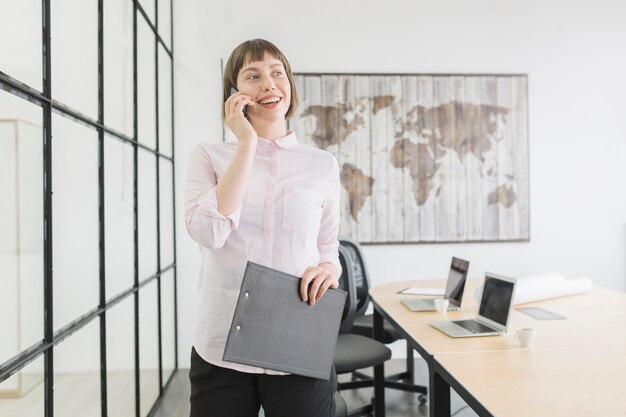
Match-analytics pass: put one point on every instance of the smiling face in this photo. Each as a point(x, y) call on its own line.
point(269, 86)
point(264, 57)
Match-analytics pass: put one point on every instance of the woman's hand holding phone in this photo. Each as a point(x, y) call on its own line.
point(235, 109)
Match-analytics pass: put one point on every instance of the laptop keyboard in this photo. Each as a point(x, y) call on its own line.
point(473, 326)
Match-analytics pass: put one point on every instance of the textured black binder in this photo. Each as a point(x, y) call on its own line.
point(274, 329)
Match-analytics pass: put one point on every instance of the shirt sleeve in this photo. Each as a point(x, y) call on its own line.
point(327, 243)
point(205, 224)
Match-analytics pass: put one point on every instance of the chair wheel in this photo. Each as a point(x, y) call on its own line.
point(421, 398)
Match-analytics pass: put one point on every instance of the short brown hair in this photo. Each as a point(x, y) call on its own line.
point(250, 51)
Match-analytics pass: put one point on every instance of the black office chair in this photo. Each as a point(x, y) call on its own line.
point(354, 352)
point(364, 324)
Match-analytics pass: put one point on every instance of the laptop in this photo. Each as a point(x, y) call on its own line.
point(493, 313)
point(454, 289)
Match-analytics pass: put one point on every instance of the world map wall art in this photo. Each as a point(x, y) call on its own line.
point(423, 158)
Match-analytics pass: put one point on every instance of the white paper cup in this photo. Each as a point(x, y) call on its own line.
point(441, 304)
point(525, 336)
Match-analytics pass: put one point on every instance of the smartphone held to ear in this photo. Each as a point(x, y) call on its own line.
point(233, 90)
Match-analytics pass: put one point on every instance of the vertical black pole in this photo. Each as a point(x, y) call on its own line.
point(438, 392)
point(135, 211)
point(47, 215)
point(379, 370)
point(174, 188)
point(101, 219)
point(158, 194)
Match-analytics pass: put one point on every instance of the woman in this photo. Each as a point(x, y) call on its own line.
point(268, 199)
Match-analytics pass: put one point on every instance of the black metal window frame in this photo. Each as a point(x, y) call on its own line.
point(44, 99)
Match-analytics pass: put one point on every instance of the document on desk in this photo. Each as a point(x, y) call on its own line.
point(540, 313)
point(422, 291)
point(273, 328)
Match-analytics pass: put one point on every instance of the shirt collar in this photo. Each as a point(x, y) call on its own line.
point(285, 142)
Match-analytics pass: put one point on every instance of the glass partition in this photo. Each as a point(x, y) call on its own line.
point(75, 217)
point(119, 224)
point(77, 374)
point(121, 359)
point(74, 52)
point(148, 343)
point(21, 229)
point(118, 66)
point(21, 60)
point(147, 215)
point(73, 214)
point(166, 220)
point(146, 84)
point(168, 325)
point(148, 7)
point(22, 395)
point(165, 103)
point(21, 235)
point(165, 21)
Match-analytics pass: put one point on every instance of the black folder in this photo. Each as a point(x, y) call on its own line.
point(273, 328)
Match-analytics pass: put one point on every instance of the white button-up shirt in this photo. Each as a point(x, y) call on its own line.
point(289, 220)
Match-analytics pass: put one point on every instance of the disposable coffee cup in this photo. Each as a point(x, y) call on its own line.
point(525, 336)
point(441, 304)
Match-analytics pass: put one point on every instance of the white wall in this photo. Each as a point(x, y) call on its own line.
point(572, 52)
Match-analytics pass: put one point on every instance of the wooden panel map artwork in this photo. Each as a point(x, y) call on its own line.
point(423, 158)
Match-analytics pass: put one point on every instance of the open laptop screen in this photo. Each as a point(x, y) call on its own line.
point(495, 303)
point(456, 280)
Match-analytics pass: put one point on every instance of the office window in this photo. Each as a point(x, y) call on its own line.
point(118, 189)
point(21, 228)
point(87, 224)
point(147, 214)
point(74, 36)
point(121, 359)
point(22, 60)
point(77, 382)
point(146, 79)
point(148, 339)
point(74, 220)
point(165, 103)
point(23, 392)
point(166, 195)
point(168, 334)
point(118, 66)
point(165, 15)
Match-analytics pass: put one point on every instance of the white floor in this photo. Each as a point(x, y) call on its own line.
point(78, 394)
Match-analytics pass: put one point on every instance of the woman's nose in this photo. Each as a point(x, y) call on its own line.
point(269, 84)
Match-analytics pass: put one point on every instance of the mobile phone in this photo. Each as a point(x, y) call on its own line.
point(233, 90)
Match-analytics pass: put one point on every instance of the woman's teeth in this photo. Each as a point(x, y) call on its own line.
point(270, 100)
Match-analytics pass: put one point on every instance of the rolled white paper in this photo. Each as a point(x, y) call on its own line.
point(543, 286)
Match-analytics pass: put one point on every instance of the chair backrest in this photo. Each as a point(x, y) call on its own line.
point(346, 283)
point(361, 276)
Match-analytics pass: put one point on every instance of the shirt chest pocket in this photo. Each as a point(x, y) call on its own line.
point(302, 210)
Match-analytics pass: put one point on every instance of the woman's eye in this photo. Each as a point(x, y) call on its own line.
point(279, 73)
point(253, 77)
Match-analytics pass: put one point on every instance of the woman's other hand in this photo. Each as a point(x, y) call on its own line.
point(316, 280)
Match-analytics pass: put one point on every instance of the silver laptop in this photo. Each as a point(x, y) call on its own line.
point(493, 313)
point(454, 289)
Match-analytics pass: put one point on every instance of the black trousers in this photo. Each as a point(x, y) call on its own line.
point(223, 392)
